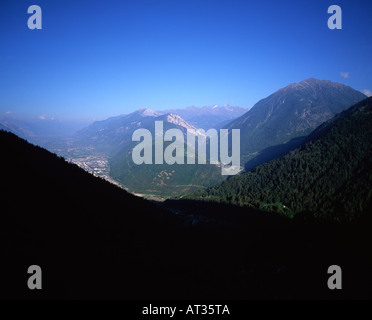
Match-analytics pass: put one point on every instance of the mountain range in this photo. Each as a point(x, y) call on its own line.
point(272, 128)
point(46, 131)
point(108, 135)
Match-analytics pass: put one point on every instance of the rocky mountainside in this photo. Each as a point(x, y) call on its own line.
point(290, 113)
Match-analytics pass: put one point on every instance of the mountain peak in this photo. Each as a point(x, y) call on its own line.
point(292, 112)
point(313, 80)
point(312, 83)
point(144, 112)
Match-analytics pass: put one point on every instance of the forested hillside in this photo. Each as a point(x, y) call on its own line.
point(329, 176)
point(94, 240)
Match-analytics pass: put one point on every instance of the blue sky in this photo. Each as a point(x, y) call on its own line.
point(95, 59)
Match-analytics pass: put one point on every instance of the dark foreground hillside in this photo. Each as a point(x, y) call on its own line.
point(93, 240)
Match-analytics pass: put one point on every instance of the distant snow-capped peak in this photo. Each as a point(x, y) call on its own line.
point(144, 112)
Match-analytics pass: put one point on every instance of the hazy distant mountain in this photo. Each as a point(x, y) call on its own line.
point(113, 137)
point(47, 131)
point(4, 127)
point(16, 126)
point(112, 133)
point(41, 130)
point(329, 176)
point(108, 134)
point(291, 112)
point(209, 117)
point(115, 130)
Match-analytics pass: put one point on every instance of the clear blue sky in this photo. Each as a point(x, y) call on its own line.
point(95, 59)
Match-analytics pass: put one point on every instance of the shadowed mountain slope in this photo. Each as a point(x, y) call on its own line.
point(94, 240)
point(330, 175)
